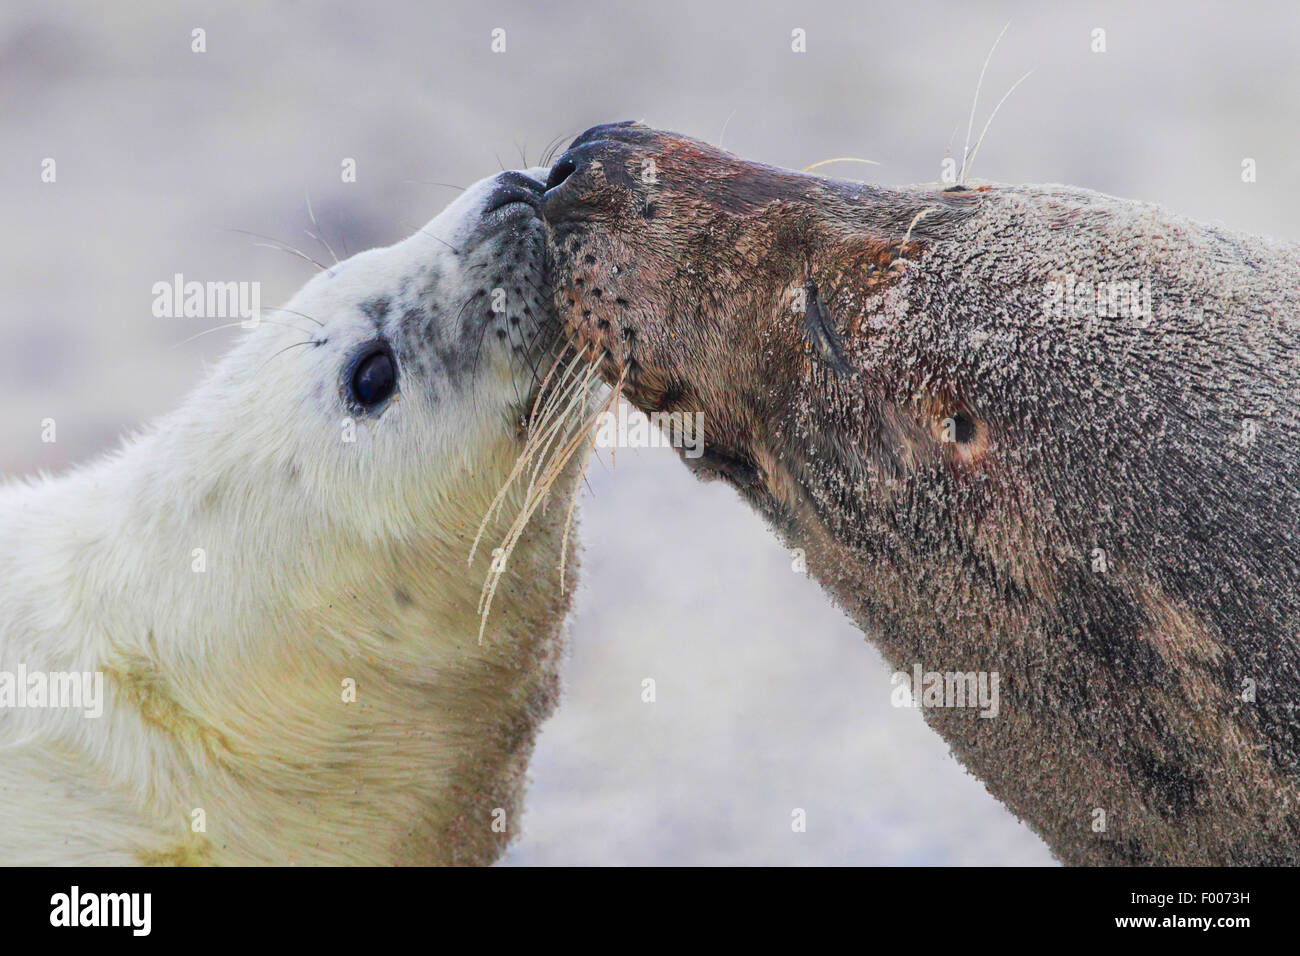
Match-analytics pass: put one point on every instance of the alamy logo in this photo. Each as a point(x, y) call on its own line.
point(1075, 296)
point(179, 299)
point(103, 909)
point(924, 688)
point(74, 690)
point(628, 427)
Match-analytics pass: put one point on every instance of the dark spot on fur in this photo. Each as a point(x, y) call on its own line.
point(733, 467)
point(376, 309)
point(963, 428)
point(401, 596)
point(1165, 786)
point(674, 394)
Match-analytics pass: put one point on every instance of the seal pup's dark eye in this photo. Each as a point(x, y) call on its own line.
point(374, 378)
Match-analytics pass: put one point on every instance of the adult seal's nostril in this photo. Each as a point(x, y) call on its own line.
point(573, 183)
point(604, 145)
point(590, 178)
point(561, 171)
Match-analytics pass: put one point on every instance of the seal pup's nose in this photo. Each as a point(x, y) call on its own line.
point(512, 187)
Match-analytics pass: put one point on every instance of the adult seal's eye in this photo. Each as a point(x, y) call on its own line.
point(374, 378)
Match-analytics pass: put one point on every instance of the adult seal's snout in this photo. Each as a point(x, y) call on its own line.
point(626, 131)
point(597, 162)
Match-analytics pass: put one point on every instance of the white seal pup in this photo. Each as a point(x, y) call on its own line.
point(250, 635)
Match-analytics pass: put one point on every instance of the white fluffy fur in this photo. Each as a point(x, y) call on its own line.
point(325, 560)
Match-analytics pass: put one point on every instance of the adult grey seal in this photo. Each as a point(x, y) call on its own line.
point(1026, 432)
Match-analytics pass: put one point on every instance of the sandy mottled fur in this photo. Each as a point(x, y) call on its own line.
point(1167, 442)
point(326, 560)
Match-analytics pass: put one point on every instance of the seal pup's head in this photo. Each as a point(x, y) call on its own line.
point(1016, 430)
point(275, 579)
point(392, 375)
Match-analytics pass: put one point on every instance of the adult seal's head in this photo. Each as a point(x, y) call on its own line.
point(271, 584)
point(1032, 433)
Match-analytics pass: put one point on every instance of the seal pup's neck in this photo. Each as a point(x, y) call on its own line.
point(294, 677)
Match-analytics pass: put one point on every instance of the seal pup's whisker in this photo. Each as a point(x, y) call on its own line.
point(520, 463)
point(295, 345)
point(536, 495)
point(542, 385)
point(616, 393)
point(561, 427)
point(532, 356)
point(564, 424)
point(424, 232)
point(279, 308)
point(478, 346)
point(430, 182)
point(284, 247)
point(312, 213)
point(231, 325)
point(550, 423)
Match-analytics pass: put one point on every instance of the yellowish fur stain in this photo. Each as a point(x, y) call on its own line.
point(143, 686)
point(193, 850)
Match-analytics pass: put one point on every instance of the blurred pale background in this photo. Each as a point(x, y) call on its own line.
point(767, 698)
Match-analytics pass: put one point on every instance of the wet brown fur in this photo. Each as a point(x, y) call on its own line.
point(1122, 682)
